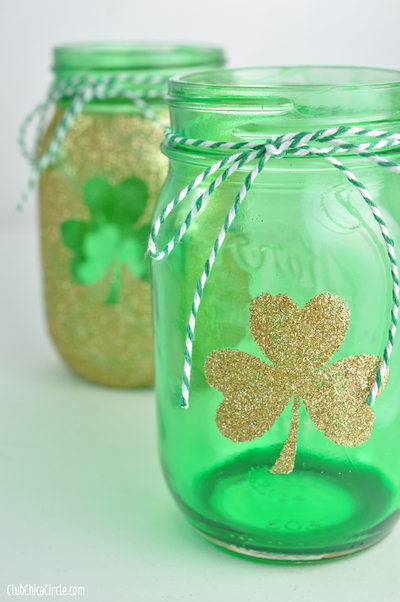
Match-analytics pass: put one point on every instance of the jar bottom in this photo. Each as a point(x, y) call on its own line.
point(112, 377)
point(321, 510)
point(105, 357)
point(287, 558)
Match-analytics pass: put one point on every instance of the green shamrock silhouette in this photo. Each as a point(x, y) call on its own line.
point(110, 237)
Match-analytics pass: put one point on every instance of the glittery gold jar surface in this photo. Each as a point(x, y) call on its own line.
point(97, 283)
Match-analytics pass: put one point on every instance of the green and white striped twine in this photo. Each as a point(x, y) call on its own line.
point(295, 144)
point(82, 90)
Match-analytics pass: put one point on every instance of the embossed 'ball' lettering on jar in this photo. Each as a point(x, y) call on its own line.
point(102, 171)
point(276, 297)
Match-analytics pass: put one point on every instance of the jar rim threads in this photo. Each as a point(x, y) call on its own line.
point(128, 56)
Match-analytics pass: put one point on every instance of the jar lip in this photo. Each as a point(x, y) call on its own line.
point(252, 82)
point(110, 55)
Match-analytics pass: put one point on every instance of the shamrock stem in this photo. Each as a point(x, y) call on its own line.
point(112, 298)
point(285, 462)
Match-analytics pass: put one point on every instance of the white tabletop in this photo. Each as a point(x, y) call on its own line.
point(83, 501)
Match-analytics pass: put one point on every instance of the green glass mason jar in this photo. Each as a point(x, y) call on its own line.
point(96, 203)
point(279, 454)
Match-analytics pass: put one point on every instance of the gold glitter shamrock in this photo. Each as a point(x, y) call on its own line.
point(298, 344)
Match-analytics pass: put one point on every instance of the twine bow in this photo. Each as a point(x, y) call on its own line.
point(82, 90)
point(293, 144)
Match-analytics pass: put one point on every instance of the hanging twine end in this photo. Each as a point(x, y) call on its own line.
point(185, 395)
point(184, 403)
point(23, 201)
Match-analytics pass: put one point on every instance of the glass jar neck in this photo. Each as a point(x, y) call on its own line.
point(99, 60)
point(234, 105)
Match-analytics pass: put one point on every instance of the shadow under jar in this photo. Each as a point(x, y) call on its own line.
point(96, 203)
point(278, 455)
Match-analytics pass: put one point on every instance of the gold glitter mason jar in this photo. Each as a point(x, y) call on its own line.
point(101, 173)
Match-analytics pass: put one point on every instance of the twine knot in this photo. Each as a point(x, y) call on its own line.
point(273, 151)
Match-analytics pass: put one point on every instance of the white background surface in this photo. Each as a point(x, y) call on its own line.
point(82, 498)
